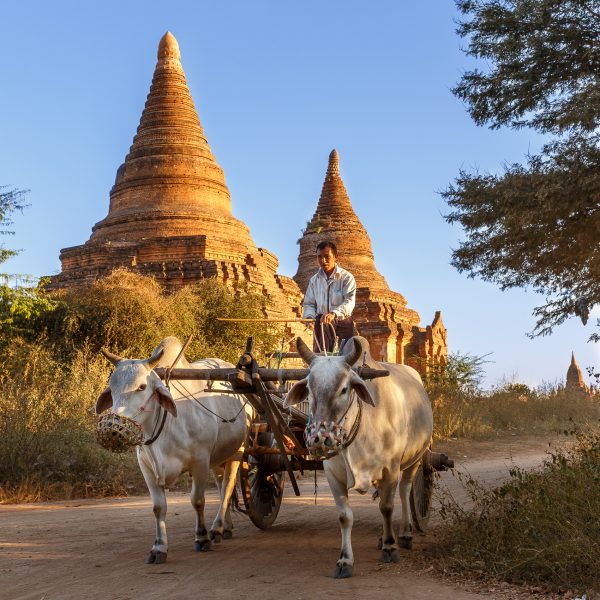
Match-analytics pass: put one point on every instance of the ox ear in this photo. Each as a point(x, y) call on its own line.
point(361, 389)
point(104, 401)
point(163, 395)
point(298, 393)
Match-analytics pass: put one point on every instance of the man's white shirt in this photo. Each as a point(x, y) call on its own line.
point(336, 294)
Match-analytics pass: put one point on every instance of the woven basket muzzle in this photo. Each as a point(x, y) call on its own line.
point(324, 437)
point(118, 433)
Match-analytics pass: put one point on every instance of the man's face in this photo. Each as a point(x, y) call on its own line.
point(326, 259)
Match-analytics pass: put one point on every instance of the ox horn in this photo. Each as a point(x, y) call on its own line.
point(354, 353)
point(113, 358)
point(155, 358)
point(305, 352)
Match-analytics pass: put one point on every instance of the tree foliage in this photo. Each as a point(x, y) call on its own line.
point(11, 201)
point(537, 224)
point(129, 314)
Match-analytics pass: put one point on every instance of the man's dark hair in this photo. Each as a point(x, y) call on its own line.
point(327, 244)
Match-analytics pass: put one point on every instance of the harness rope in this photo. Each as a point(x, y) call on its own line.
point(154, 436)
point(189, 395)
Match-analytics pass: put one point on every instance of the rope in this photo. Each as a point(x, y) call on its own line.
point(155, 433)
point(190, 395)
point(279, 355)
point(335, 338)
point(355, 427)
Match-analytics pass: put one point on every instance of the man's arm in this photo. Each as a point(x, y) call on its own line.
point(344, 310)
point(309, 305)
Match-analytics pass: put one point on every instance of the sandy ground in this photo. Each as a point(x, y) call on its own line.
point(95, 549)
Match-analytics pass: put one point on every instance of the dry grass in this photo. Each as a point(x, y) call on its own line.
point(512, 408)
point(539, 528)
point(51, 375)
point(47, 429)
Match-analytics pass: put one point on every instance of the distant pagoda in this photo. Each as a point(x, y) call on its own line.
point(575, 379)
point(381, 315)
point(170, 208)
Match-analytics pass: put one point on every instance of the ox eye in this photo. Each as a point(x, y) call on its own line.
point(344, 390)
point(142, 387)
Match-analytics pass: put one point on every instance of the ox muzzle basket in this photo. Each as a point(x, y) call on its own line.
point(118, 433)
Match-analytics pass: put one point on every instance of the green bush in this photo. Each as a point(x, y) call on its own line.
point(539, 528)
point(129, 314)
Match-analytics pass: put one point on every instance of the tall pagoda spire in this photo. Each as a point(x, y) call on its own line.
point(381, 314)
point(335, 220)
point(170, 210)
point(170, 183)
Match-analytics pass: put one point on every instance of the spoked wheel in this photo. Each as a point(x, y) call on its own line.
point(261, 485)
point(420, 496)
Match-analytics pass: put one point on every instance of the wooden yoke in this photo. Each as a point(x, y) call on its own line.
point(249, 379)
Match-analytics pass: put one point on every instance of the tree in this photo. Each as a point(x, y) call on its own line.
point(21, 297)
point(537, 224)
point(11, 201)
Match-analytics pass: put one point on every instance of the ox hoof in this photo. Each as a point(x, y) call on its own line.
point(343, 571)
point(405, 542)
point(390, 555)
point(202, 546)
point(216, 536)
point(156, 557)
point(227, 534)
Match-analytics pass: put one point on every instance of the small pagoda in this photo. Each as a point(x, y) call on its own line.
point(381, 315)
point(575, 381)
point(170, 209)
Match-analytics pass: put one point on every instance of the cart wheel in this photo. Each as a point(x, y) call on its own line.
point(261, 486)
point(420, 496)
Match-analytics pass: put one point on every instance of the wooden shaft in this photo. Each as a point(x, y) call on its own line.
point(261, 450)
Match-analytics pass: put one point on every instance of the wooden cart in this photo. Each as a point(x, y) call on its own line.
point(276, 442)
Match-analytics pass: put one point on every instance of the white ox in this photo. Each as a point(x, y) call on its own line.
point(201, 433)
point(394, 431)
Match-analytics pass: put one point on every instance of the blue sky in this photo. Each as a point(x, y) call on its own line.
point(277, 85)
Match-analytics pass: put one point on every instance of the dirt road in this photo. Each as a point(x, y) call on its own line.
point(95, 549)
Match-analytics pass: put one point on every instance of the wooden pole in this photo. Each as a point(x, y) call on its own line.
point(233, 320)
point(241, 377)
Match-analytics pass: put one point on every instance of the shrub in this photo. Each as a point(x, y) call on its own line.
point(52, 372)
point(538, 528)
point(130, 313)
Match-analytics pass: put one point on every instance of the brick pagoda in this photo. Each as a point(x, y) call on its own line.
point(170, 209)
point(381, 315)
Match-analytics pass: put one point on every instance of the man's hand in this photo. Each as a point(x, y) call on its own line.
point(328, 318)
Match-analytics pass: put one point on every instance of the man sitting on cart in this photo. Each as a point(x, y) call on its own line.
point(330, 299)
